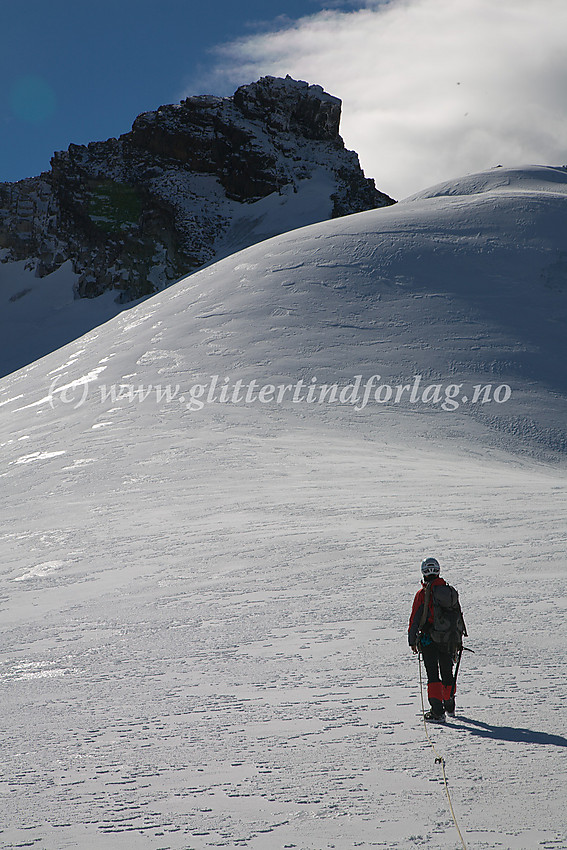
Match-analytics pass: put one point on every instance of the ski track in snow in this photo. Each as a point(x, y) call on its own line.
point(204, 615)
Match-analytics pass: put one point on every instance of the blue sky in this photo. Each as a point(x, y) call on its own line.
point(77, 71)
point(431, 89)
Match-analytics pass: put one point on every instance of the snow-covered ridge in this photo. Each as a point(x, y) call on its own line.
point(530, 178)
point(467, 291)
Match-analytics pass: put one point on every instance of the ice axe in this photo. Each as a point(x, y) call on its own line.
point(456, 673)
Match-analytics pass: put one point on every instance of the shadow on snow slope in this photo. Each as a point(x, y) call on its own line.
point(510, 733)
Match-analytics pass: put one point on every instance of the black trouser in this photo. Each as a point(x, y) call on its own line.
point(440, 680)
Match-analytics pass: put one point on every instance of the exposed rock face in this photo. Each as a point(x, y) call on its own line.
point(136, 213)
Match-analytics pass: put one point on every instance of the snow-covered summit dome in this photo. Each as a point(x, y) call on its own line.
point(529, 178)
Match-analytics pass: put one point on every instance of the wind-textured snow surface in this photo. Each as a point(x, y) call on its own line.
point(204, 611)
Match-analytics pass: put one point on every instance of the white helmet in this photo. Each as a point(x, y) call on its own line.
point(430, 567)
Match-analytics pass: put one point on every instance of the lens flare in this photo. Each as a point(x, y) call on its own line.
point(32, 99)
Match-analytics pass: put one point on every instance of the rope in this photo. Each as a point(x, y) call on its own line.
point(438, 758)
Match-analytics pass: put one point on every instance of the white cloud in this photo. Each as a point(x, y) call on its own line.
point(431, 89)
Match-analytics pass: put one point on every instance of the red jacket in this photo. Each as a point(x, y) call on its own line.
point(417, 611)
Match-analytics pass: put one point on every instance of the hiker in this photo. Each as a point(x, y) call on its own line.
point(436, 629)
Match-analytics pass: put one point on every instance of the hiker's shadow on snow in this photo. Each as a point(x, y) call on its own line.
point(511, 733)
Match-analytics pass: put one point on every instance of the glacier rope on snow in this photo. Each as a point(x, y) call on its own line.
point(438, 758)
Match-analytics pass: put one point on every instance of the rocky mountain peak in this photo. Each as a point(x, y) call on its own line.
point(291, 106)
point(190, 182)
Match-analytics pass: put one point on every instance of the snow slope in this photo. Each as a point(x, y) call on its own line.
point(205, 609)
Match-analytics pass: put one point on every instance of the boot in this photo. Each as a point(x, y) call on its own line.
point(449, 706)
point(432, 717)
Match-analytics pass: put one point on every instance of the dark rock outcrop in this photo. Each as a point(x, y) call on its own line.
point(136, 213)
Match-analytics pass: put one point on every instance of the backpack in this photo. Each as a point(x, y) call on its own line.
point(448, 624)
